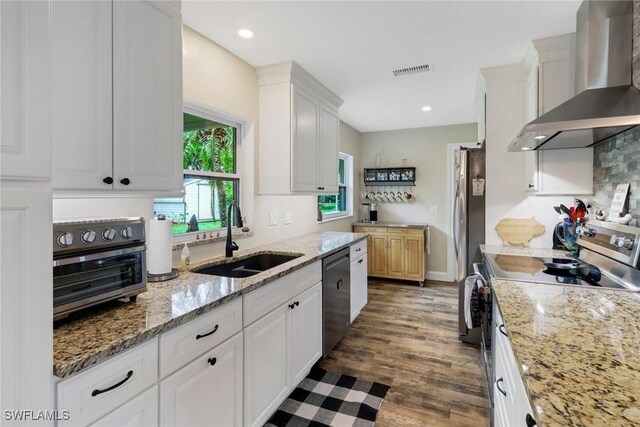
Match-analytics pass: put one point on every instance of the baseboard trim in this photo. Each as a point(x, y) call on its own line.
point(440, 276)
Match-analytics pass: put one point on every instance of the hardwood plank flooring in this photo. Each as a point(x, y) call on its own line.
point(407, 337)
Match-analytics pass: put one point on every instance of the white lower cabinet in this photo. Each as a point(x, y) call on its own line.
point(281, 348)
point(511, 403)
point(358, 285)
point(208, 391)
point(141, 411)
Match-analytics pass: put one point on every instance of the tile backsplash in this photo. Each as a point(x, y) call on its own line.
point(617, 161)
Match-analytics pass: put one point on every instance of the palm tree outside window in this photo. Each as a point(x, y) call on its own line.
point(210, 175)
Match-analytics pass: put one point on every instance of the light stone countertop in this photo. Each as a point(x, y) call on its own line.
point(93, 336)
point(578, 351)
point(524, 251)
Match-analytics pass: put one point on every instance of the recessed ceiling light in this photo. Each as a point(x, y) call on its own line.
point(426, 108)
point(245, 33)
point(539, 137)
point(526, 148)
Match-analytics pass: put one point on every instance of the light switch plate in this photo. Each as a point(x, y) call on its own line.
point(273, 218)
point(287, 217)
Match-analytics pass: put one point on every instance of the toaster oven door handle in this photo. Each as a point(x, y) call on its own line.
point(99, 255)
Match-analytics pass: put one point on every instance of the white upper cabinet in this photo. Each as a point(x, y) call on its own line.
point(117, 96)
point(299, 132)
point(25, 139)
point(550, 64)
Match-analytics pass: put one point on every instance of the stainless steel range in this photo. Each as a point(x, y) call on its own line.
point(609, 258)
point(97, 260)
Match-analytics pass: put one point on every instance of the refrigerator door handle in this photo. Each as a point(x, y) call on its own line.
point(456, 219)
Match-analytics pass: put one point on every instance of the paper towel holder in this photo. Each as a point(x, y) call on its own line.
point(163, 277)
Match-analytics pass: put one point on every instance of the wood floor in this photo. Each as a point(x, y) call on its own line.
point(407, 337)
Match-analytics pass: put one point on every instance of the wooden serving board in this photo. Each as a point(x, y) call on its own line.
point(518, 231)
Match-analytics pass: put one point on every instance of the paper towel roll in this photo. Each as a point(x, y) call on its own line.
point(159, 246)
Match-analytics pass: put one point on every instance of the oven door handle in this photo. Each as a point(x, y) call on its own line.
point(99, 255)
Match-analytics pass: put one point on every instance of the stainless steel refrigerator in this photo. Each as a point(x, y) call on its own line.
point(468, 224)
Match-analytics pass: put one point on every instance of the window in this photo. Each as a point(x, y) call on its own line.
point(339, 205)
point(210, 178)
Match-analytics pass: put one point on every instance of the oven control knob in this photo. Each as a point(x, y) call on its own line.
point(109, 234)
point(126, 233)
point(65, 240)
point(88, 236)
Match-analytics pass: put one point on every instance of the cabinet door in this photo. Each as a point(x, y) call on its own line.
point(26, 301)
point(379, 255)
point(305, 328)
point(358, 286)
point(81, 93)
point(304, 141)
point(395, 265)
point(414, 257)
point(25, 118)
point(147, 96)
point(206, 392)
point(328, 151)
point(266, 366)
point(141, 411)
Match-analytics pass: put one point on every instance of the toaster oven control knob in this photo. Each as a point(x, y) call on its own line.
point(65, 240)
point(109, 234)
point(126, 233)
point(88, 236)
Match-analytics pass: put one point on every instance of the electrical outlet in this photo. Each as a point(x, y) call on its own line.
point(287, 217)
point(273, 218)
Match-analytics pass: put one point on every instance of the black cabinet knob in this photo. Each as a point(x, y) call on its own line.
point(297, 303)
point(108, 180)
point(212, 361)
point(531, 185)
point(530, 421)
point(292, 306)
point(125, 181)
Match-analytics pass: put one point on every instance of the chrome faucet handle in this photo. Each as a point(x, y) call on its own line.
point(585, 231)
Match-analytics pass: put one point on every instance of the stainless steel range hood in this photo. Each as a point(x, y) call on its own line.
point(607, 103)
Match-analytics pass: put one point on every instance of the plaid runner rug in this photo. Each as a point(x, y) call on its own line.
point(329, 399)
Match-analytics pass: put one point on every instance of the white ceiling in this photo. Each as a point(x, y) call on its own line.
point(352, 46)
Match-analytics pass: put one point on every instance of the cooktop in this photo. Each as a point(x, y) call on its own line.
point(561, 271)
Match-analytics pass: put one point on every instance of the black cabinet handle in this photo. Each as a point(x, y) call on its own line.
point(500, 380)
point(292, 306)
point(212, 361)
point(297, 303)
point(530, 421)
point(531, 185)
point(320, 188)
point(208, 333)
point(502, 330)
point(360, 261)
point(358, 250)
point(125, 181)
point(116, 385)
point(339, 284)
point(108, 180)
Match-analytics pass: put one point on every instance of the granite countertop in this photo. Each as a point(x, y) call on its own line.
point(392, 224)
point(91, 337)
point(524, 251)
point(578, 351)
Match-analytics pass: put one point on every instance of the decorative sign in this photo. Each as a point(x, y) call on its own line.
point(619, 199)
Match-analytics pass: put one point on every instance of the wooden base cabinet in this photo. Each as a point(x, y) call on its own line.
point(396, 252)
point(208, 391)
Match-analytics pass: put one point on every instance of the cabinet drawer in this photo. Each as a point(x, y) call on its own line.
point(181, 345)
point(358, 249)
point(87, 396)
point(263, 300)
point(405, 230)
point(305, 278)
point(367, 229)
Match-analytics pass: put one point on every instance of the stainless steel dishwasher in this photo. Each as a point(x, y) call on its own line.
point(336, 299)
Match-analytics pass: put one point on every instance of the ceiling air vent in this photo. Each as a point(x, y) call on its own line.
point(398, 72)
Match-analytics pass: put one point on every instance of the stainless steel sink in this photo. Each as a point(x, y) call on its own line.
point(248, 266)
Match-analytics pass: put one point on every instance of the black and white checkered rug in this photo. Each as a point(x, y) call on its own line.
point(329, 399)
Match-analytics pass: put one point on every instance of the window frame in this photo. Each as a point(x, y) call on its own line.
point(210, 114)
point(348, 185)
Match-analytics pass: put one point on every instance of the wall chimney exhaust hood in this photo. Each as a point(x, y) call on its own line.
point(606, 103)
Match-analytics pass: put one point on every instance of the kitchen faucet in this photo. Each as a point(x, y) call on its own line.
point(231, 245)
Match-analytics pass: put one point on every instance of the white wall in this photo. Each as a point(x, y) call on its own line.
point(220, 80)
point(506, 195)
point(426, 149)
